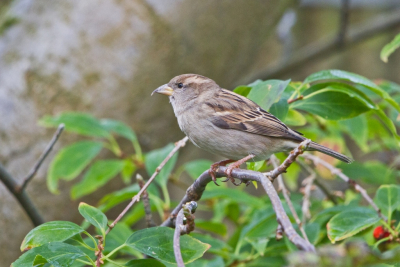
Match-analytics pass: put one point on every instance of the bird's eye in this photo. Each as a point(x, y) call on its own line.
point(180, 85)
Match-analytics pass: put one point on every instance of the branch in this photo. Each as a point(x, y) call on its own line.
point(186, 212)
point(146, 203)
point(344, 19)
point(195, 191)
point(19, 190)
point(285, 193)
point(136, 198)
point(305, 208)
point(22, 197)
point(45, 153)
point(328, 46)
point(357, 187)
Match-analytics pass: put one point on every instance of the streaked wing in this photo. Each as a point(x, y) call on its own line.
point(233, 111)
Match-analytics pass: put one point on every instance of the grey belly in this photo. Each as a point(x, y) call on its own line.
point(235, 144)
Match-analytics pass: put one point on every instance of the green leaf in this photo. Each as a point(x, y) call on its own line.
point(93, 216)
point(155, 157)
point(144, 263)
point(242, 90)
point(294, 118)
point(357, 128)
point(128, 170)
point(388, 199)
point(332, 104)
point(75, 122)
point(197, 167)
point(157, 242)
point(56, 253)
point(39, 261)
point(71, 161)
point(96, 176)
point(350, 222)
point(217, 246)
point(213, 227)
point(255, 165)
point(267, 92)
point(117, 236)
point(50, 232)
point(354, 78)
point(388, 49)
point(280, 109)
point(371, 172)
point(119, 128)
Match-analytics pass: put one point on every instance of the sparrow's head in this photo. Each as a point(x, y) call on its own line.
point(186, 87)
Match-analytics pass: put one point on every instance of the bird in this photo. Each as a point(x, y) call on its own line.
point(230, 125)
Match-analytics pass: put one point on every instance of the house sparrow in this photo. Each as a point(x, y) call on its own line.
point(230, 125)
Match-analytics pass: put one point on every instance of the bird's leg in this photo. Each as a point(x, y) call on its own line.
point(236, 165)
point(214, 167)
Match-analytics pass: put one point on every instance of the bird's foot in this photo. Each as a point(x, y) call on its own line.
point(214, 167)
point(236, 165)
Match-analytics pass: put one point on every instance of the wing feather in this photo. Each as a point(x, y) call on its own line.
point(233, 111)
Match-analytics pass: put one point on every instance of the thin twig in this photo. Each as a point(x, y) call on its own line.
point(19, 190)
point(22, 197)
point(195, 191)
point(46, 152)
point(340, 174)
point(146, 202)
point(290, 101)
point(99, 253)
point(177, 235)
point(344, 19)
point(305, 208)
point(285, 193)
point(289, 160)
point(328, 46)
point(136, 198)
point(320, 185)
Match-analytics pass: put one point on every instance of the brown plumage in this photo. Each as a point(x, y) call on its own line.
point(229, 124)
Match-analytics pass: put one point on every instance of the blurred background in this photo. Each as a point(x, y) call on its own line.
point(106, 57)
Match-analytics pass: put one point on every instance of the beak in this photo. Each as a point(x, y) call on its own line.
point(164, 89)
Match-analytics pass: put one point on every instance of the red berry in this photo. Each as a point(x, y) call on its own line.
point(380, 232)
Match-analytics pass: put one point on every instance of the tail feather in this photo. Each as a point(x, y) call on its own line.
point(314, 146)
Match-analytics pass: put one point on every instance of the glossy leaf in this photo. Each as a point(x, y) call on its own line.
point(242, 90)
point(388, 49)
point(217, 246)
point(357, 128)
point(155, 157)
point(71, 161)
point(354, 78)
point(350, 222)
point(388, 199)
point(96, 176)
point(267, 92)
point(56, 253)
point(75, 122)
point(50, 232)
point(280, 109)
point(119, 128)
point(197, 167)
point(93, 216)
point(332, 105)
point(157, 242)
point(213, 227)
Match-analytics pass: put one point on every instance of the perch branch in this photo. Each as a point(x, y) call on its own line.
point(46, 152)
point(341, 175)
point(327, 47)
point(195, 191)
point(136, 198)
point(186, 212)
point(285, 193)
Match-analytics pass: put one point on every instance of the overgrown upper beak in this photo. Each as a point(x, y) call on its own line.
point(164, 89)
